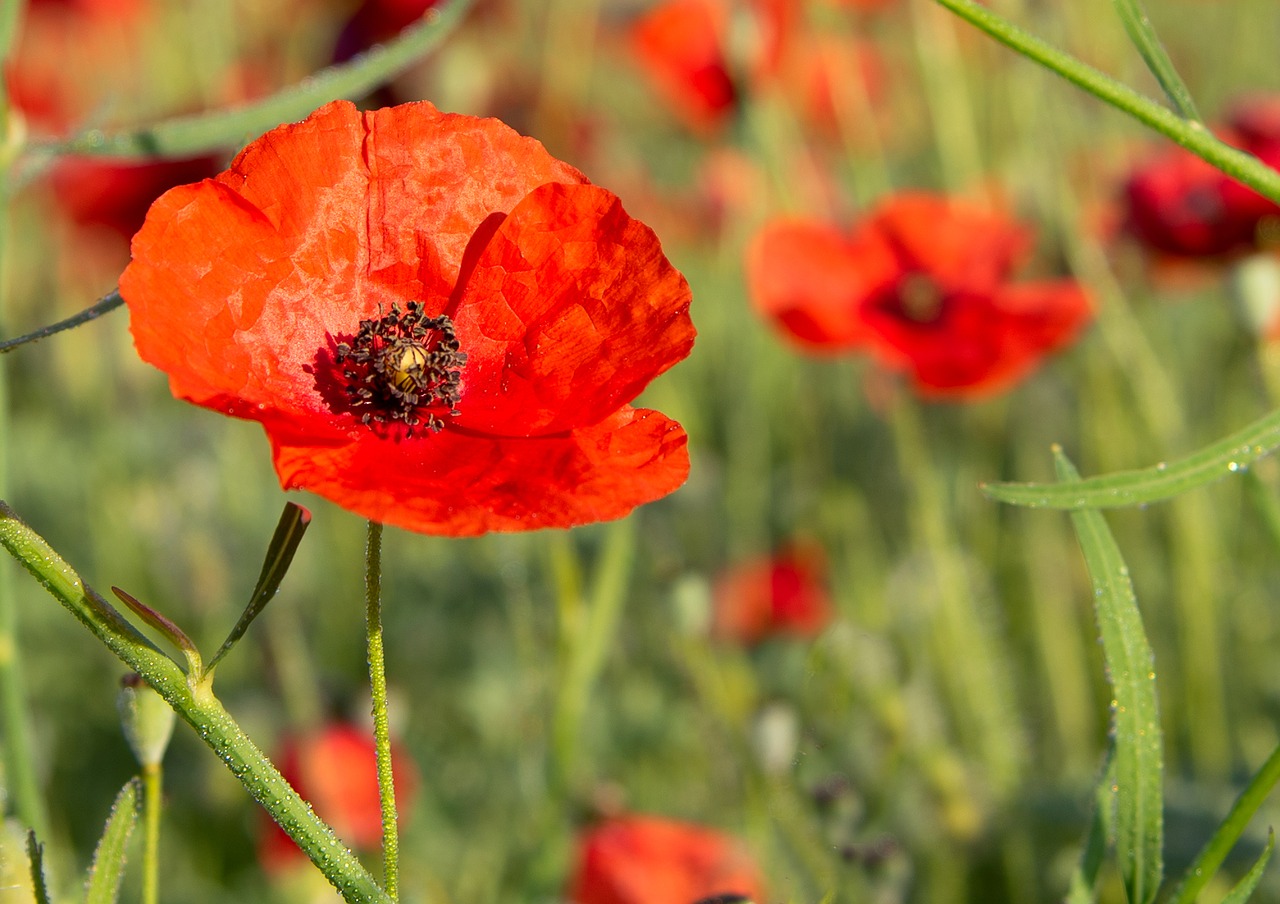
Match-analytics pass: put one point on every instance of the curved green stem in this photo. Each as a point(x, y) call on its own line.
point(197, 705)
point(1191, 135)
point(108, 302)
point(381, 731)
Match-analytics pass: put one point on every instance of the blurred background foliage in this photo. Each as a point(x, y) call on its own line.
point(938, 739)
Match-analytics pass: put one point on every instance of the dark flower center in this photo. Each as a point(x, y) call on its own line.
point(403, 368)
point(919, 298)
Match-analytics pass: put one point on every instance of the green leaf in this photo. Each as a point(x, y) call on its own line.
point(1138, 758)
point(1084, 881)
point(187, 136)
point(1244, 888)
point(284, 543)
point(103, 886)
point(35, 856)
point(1215, 851)
point(169, 629)
point(1230, 455)
point(1143, 36)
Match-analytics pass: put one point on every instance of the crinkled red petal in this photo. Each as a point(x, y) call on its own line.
point(459, 484)
point(811, 281)
point(240, 286)
point(570, 311)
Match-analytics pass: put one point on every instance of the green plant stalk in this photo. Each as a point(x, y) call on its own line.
point(589, 643)
point(947, 93)
point(1190, 134)
point(987, 716)
point(1215, 851)
point(381, 729)
point(197, 705)
point(15, 721)
point(152, 782)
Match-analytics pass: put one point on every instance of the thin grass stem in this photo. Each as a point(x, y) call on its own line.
point(152, 783)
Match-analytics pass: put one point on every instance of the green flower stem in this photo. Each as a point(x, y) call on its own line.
point(1190, 134)
point(108, 302)
point(378, 690)
point(1138, 26)
point(152, 779)
point(197, 705)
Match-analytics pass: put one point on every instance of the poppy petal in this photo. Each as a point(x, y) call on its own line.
point(571, 310)
point(457, 484)
point(809, 279)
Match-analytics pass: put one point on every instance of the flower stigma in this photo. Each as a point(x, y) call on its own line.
point(404, 367)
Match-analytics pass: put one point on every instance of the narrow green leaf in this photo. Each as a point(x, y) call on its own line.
point(103, 885)
point(1138, 758)
point(35, 856)
point(1229, 455)
point(165, 626)
point(1138, 25)
point(1084, 881)
point(284, 543)
point(201, 133)
point(1244, 888)
point(1215, 851)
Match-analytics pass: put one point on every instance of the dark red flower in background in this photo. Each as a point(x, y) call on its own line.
point(1178, 205)
point(923, 284)
point(647, 860)
point(438, 324)
point(783, 594)
point(335, 769)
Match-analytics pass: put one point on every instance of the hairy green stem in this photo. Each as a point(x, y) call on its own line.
point(196, 704)
point(1190, 134)
point(378, 690)
point(152, 779)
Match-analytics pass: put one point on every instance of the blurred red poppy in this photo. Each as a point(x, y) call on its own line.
point(922, 284)
point(1178, 205)
point(779, 595)
point(647, 860)
point(697, 56)
point(438, 324)
point(335, 769)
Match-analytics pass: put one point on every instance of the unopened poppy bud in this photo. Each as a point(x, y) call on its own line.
point(147, 720)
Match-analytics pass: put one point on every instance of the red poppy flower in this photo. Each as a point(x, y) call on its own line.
point(681, 45)
point(1178, 205)
point(782, 594)
point(647, 860)
point(438, 324)
point(685, 48)
point(117, 193)
point(922, 284)
point(335, 769)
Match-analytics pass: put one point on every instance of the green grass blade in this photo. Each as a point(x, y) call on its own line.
point(1138, 25)
point(1244, 888)
point(103, 886)
point(1138, 758)
point(1206, 864)
point(1229, 455)
point(186, 136)
point(1084, 880)
point(35, 856)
